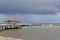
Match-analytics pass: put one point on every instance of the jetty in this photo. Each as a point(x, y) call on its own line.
point(12, 24)
point(8, 26)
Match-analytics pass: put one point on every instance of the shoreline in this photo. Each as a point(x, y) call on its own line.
point(8, 38)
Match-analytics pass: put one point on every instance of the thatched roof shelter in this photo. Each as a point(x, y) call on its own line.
point(11, 20)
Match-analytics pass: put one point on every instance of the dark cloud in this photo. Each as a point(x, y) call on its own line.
point(29, 6)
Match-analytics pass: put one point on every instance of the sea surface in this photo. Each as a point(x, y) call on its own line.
point(34, 33)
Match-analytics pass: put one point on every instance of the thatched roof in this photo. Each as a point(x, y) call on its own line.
point(11, 20)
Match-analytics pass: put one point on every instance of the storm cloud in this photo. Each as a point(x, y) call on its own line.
point(31, 11)
point(29, 6)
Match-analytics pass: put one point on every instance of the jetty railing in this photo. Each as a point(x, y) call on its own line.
point(3, 27)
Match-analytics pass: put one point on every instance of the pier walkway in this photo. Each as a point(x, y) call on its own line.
point(5, 26)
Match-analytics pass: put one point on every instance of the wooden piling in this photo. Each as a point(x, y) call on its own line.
point(1, 28)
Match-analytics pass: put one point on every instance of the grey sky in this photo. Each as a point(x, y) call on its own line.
point(32, 11)
point(30, 6)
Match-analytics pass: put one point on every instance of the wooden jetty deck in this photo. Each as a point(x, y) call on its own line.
point(15, 26)
point(4, 27)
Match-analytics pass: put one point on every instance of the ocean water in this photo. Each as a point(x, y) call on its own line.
point(34, 33)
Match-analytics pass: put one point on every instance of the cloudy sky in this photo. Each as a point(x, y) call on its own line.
point(31, 11)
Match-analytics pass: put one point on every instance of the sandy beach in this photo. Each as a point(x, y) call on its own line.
point(8, 38)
